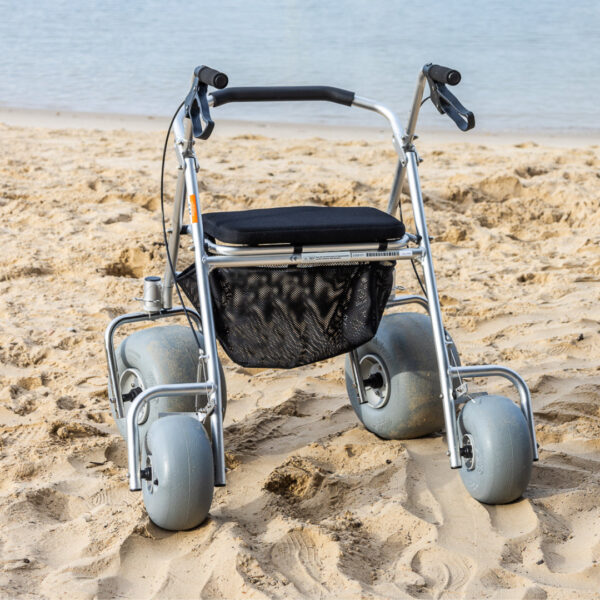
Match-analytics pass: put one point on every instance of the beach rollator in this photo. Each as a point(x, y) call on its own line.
point(289, 286)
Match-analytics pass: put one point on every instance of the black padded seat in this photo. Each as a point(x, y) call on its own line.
point(303, 225)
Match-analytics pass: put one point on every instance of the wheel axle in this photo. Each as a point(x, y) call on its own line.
point(466, 452)
point(375, 380)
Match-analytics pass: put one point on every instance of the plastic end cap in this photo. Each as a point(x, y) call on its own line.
point(454, 78)
point(221, 80)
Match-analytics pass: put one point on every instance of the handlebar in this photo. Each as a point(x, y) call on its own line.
point(441, 74)
point(283, 93)
point(196, 104)
point(211, 77)
point(446, 102)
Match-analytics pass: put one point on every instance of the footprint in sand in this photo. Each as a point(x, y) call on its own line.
point(110, 495)
point(309, 560)
point(27, 433)
point(444, 572)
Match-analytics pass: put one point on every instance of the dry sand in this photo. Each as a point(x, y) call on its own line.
point(315, 506)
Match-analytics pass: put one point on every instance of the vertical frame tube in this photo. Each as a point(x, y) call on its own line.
point(208, 325)
point(356, 375)
point(434, 311)
point(173, 244)
point(416, 107)
point(406, 143)
point(396, 191)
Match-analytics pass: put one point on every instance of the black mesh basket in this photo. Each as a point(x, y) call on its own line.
point(286, 317)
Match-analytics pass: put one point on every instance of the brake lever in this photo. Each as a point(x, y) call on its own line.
point(197, 110)
point(448, 104)
point(451, 105)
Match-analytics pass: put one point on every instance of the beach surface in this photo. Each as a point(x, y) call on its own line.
point(315, 505)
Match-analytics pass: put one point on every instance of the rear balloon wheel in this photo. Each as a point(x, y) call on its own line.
point(399, 367)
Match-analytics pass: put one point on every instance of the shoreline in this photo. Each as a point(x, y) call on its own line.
point(64, 119)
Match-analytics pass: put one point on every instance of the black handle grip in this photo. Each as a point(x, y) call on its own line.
point(441, 74)
point(211, 77)
point(283, 94)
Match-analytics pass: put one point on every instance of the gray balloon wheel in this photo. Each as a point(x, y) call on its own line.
point(402, 358)
point(495, 431)
point(179, 494)
point(158, 355)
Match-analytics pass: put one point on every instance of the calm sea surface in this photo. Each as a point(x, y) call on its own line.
point(525, 65)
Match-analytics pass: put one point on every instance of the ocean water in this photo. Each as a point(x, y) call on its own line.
point(525, 65)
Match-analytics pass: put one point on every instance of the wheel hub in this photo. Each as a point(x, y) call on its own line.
point(467, 452)
point(129, 382)
point(148, 476)
point(376, 380)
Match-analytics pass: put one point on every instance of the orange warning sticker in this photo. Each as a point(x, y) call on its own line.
point(194, 208)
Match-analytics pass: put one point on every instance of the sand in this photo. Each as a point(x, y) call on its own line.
point(315, 505)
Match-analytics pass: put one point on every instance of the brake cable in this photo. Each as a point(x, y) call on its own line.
point(164, 229)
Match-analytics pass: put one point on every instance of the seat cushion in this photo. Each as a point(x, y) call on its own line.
point(303, 225)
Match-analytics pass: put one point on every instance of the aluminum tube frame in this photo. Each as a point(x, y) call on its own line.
point(416, 108)
point(468, 372)
point(435, 312)
point(133, 432)
point(311, 258)
point(357, 376)
point(173, 243)
point(389, 114)
point(408, 299)
point(396, 192)
point(109, 335)
point(206, 313)
point(225, 250)
point(182, 143)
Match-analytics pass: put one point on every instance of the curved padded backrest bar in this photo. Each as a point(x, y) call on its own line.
point(283, 94)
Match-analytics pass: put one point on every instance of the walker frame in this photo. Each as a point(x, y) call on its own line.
point(209, 255)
